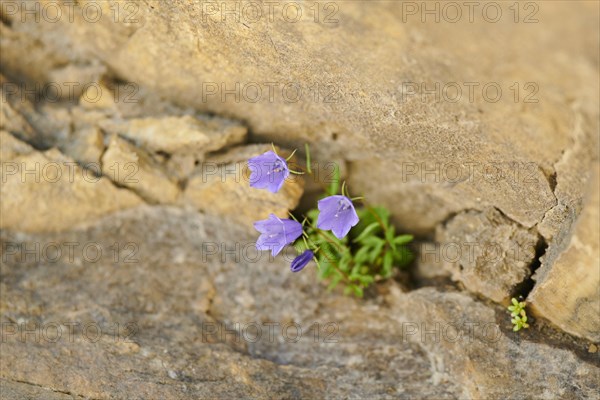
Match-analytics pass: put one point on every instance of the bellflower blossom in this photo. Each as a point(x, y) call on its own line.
point(268, 171)
point(276, 233)
point(301, 261)
point(337, 214)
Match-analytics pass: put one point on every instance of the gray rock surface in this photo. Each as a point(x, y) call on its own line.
point(174, 319)
point(487, 252)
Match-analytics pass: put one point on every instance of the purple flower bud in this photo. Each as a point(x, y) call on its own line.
point(276, 233)
point(337, 214)
point(268, 171)
point(301, 261)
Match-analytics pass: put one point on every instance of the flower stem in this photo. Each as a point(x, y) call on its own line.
point(306, 148)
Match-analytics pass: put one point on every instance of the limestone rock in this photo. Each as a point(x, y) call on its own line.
point(98, 97)
point(177, 318)
point(505, 176)
point(487, 252)
point(45, 192)
point(134, 168)
point(12, 390)
point(362, 98)
point(183, 134)
point(86, 146)
point(11, 105)
point(472, 348)
point(12, 147)
point(73, 80)
point(567, 286)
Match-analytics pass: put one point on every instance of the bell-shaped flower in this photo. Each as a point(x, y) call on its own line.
point(276, 233)
point(268, 171)
point(337, 214)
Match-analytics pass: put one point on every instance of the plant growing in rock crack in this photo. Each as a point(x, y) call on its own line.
point(518, 314)
point(355, 246)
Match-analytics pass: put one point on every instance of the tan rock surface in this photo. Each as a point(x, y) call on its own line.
point(518, 139)
point(567, 290)
point(48, 192)
point(367, 61)
point(134, 168)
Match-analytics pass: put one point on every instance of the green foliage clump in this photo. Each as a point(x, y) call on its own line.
point(518, 314)
point(369, 253)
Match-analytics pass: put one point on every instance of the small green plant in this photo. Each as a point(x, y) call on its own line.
point(369, 253)
point(352, 245)
point(518, 314)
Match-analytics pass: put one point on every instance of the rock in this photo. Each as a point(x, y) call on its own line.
point(222, 186)
point(441, 154)
point(12, 148)
point(487, 252)
point(509, 175)
point(25, 56)
point(86, 146)
point(472, 349)
point(20, 390)
point(572, 172)
point(12, 103)
point(566, 290)
point(71, 195)
point(68, 83)
point(429, 263)
point(134, 168)
point(362, 98)
point(177, 316)
point(98, 97)
point(183, 134)
point(42, 124)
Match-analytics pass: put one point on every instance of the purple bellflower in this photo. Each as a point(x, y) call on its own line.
point(269, 171)
point(337, 214)
point(276, 233)
point(302, 261)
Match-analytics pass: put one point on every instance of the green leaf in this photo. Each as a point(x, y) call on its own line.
point(382, 213)
point(368, 231)
point(403, 256)
point(362, 255)
point(375, 252)
point(344, 263)
point(312, 214)
point(334, 281)
point(300, 246)
point(326, 269)
point(389, 234)
point(372, 241)
point(388, 259)
point(366, 279)
point(403, 239)
point(358, 291)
